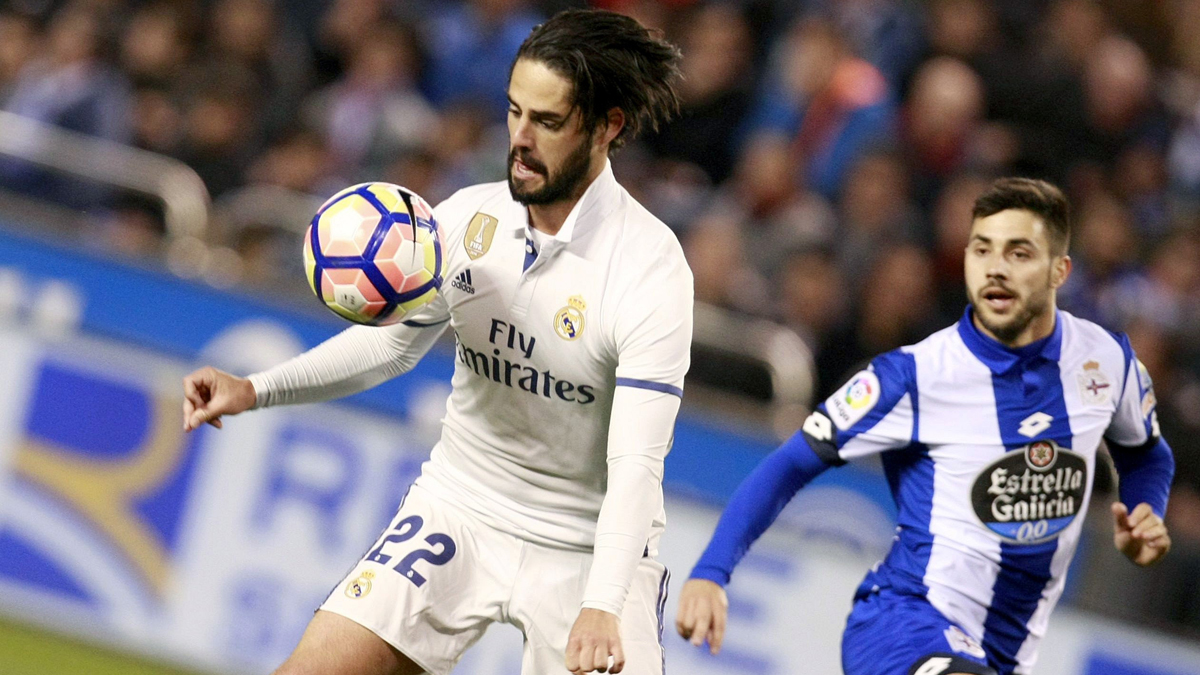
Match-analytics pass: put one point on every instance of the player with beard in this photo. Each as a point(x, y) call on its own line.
point(988, 432)
point(571, 306)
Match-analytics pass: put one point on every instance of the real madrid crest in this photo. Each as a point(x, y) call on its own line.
point(480, 233)
point(568, 323)
point(360, 586)
point(1094, 387)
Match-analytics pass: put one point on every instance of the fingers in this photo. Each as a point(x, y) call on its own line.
point(573, 654)
point(1139, 515)
point(1120, 516)
point(599, 659)
point(1142, 528)
point(618, 657)
point(717, 634)
point(701, 624)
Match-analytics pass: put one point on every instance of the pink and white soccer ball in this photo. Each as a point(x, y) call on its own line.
point(373, 253)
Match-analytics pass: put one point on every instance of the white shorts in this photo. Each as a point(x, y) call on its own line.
point(438, 577)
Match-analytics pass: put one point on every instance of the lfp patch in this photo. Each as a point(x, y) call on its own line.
point(854, 400)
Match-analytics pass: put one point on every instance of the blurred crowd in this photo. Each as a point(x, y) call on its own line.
point(822, 172)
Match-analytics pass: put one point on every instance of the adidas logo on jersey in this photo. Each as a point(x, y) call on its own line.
point(463, 282)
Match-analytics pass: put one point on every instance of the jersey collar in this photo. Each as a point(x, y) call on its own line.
point(1001, 359)
point(597, 202)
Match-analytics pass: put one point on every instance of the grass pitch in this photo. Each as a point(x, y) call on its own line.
point(31, 651)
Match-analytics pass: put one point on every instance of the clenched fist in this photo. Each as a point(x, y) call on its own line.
point(209, 393)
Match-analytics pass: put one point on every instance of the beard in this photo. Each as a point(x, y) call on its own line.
point(564, 184)
point(1008, 329)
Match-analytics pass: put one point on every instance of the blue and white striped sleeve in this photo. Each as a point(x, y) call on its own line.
point(1144, 461)
point(876, 410)
point(1135, 421)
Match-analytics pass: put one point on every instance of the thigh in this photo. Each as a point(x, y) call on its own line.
point(890, 634)
point(432, 583)
point(335, 645)
point(550, 590)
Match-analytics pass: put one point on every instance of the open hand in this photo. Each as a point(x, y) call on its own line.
point(703, 610)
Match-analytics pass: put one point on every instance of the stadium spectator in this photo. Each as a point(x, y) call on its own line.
point(767, 198)
point(832, 104)
point(374, 110)
point(716, 92)
point(476, 41)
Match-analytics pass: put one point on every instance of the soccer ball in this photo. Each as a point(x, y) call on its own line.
point(373, 253)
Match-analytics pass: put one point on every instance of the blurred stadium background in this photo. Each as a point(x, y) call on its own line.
point(159, 161)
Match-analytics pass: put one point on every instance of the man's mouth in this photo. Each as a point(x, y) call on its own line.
point(524, 171)
point(998, 299)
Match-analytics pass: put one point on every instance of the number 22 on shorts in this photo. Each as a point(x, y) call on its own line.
point(441, 552)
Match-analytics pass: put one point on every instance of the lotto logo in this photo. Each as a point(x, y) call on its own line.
point(933, 666)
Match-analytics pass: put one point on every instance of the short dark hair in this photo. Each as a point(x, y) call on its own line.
point(1039, 197)
point(612, 61)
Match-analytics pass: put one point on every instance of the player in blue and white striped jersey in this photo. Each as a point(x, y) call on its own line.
point(988, 432)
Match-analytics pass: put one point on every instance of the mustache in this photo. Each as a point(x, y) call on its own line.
point(997, 287)
point(525, 159)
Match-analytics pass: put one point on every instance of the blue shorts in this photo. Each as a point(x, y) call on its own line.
point(893, 634)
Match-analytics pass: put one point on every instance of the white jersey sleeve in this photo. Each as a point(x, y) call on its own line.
point(653, 336)
point(354, 360)
point(1135, 422)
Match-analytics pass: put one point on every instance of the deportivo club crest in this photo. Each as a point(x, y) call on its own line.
point(480, 232)
point(1094, 387)
point(360, 587)
point(568, 323)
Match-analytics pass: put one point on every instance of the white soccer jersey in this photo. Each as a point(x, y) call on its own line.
point(543, 339)
point(990, 454)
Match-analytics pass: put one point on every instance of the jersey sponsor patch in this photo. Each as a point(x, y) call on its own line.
point(480, 233)
point(1094, 386)
point(961, 642)
point(854, 400)
point(1031, 494)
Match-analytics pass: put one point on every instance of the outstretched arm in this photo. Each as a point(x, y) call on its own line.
point(351, 361)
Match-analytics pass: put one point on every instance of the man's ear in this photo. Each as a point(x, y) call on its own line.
point(613, 123)
point(1060, 270)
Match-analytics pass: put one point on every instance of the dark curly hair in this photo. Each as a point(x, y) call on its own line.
point(612, 61)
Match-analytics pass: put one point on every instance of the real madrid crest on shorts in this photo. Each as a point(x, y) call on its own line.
point(1094, 387)
point(568, 323)
point(360, 586)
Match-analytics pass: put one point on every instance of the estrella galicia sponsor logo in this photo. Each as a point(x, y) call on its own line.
point(1031, 494)
point(463, 282)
